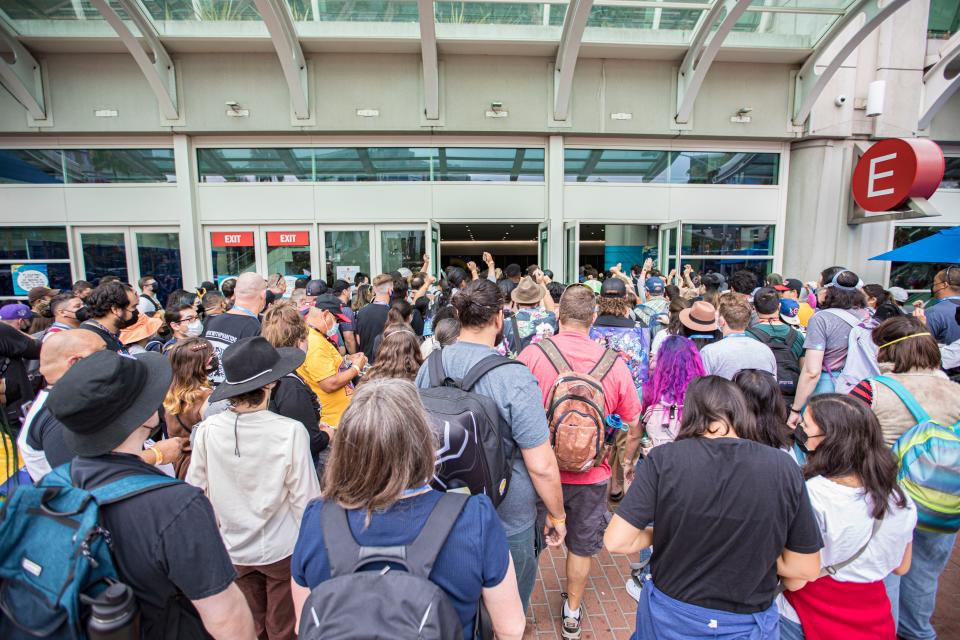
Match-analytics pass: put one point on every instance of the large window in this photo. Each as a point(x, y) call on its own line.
point(371, 164)
point(951, 173)
point(913, 276)
point(158, 255)
point(676, 167)
point(33, 256)
point(402, 248)
point(725, 248)
point(58, 166)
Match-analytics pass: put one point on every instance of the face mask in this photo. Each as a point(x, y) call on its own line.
point(800, 437)
point(195, 328)
point(132, 321)
point(82, 314)
point(332, 331)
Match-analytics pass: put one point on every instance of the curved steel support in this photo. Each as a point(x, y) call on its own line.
point(156, 66)
point(428, 56)
point(574, 23)
point(941, 81)
point(700, 55)
point(22, 78)
point(811, 84)
point(276, 16)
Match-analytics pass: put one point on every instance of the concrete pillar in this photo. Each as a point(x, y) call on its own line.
point(191, 240)
point(555, 189)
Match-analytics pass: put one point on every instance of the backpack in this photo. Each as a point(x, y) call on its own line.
point(929, 457)
point(653, 319)
point(661, 421)
point(54, 556)
point(788, 364)
point(386, 603)
point(861, 362)
point(475, 442)
point(575, 410)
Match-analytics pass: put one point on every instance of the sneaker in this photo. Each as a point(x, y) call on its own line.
point(571, 626)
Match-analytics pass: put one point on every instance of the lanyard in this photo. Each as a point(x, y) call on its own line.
point(246, 311)
point(412, 492)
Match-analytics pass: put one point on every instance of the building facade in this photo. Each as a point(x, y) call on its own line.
point(192, 140)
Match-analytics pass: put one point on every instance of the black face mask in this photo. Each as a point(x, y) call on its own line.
point(800, 437)
point(132, 321)
point(82, 314)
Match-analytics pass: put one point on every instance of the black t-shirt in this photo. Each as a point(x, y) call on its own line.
point(164, 541)
point(15, 348)
point(224, 330)
point(293, 399)
point(368, 324)
point(722, 512)
point(113, 342)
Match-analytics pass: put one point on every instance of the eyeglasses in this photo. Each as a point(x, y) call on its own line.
point(188, 319)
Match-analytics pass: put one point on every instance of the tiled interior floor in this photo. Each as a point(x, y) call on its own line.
point(610, 611)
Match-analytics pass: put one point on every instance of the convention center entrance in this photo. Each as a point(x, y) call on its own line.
point(508, 244)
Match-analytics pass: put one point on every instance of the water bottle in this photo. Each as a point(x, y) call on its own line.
point(614, 425)
point(114, 615)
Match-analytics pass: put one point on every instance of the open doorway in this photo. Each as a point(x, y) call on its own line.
point(603, 245)
point(507, 243)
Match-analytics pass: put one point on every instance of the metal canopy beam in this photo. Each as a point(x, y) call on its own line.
point(574, 23)
point(700, 56)
point(276, 16)
point(941, 81)
point(428, 57)
point(22, 78)
point(156, 65)
point(811, 84)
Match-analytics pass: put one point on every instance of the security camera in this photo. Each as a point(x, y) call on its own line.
point(232, 103)
point(840, 101)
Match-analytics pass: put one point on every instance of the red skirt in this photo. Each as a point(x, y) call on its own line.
point(829, 609)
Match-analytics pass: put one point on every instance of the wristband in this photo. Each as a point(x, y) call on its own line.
point(556, 522)
point(156, 452)
point(796, 411)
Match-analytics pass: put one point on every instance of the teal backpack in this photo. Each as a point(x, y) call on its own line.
point(54, 555)
point(929, 458)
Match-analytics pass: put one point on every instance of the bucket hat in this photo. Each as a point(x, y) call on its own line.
point(527, 292)
point(104, 397)
point(144, 327)
point(702, 316)
point(252, 363)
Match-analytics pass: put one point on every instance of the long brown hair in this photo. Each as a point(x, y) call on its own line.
point(189, 362)
point(853, 444)
point(283, 326)
point(382, 447)
point(715, 399)
point(398, 356)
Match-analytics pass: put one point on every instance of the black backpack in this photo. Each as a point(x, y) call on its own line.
point(788, 365)
point(386, 603)
point(476, 444)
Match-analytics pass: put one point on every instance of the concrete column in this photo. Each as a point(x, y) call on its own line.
point(555, 187)
point(191, 240)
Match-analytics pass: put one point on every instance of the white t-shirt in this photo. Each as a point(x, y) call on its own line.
point(843, 514)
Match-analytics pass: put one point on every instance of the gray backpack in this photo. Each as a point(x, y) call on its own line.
point(385, 603)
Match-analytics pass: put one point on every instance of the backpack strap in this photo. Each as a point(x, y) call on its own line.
point(791, 339)
point(844, 315)
point(343, 552)
point(423, 551)
point(130, 486)
point(556, 358)
point(484, 367)
point(515, 330)
point(919, 413)
point(833, 568)
point(606, 363)
point(435, 369)
point(762, 336)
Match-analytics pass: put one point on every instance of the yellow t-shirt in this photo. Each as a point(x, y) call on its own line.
point(322, 361)
point(805, 313)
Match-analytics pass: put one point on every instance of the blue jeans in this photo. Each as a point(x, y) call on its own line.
point(524, 562)
point(790, 630)
point(918, 588)
point(826, 384)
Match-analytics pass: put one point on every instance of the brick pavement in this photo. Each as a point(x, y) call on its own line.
point(611, 612)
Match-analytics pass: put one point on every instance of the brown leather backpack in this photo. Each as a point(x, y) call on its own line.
point(575, 410)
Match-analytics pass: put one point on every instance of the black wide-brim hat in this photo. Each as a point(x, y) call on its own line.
point(252, 363)
point(106, 396)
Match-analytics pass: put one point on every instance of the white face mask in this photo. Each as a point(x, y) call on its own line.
point(332, 331)
point(195, 328)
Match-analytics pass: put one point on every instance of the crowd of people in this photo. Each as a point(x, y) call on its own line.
point(777, 458)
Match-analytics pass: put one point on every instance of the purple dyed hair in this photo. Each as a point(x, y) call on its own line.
point(678, 363)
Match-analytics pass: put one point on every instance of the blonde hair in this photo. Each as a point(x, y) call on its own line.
point(382, 447)
point(282, 325)
point(189, 384)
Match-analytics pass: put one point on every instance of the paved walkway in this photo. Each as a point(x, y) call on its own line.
point(611, 612)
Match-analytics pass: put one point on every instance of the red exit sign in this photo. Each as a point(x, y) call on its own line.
point(288, 238)
point(232, 238)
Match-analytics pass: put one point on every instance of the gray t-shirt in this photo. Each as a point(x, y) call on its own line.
point(725, 358)
point(518, 398)
point(830, 333)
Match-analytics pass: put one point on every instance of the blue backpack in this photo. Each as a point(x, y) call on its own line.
point(929, 458)
point(54, 555)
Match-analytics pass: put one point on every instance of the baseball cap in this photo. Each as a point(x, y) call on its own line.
point(15, 311)
point(328, 302)
point(713, 280)
point(899, 294)
point(790, 284)
point(789, 310)
point(41, 292)
point(654, 285)
point(613, 288)
point(404, 272)
point(316, 288)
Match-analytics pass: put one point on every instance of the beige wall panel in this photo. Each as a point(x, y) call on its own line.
point(470, 84)
point(729, 86)
point(947, 202)
point(946, 124)
point(725, 204)
point(373, 202)
point(643, 89)
point(122, 204)
point(32, 204)
point(345, 83)
point(586, 104)
point(626, 203)
point(255, 203)
point(13, 117)
point(488, 202)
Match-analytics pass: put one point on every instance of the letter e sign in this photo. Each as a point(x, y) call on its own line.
point(893, 171)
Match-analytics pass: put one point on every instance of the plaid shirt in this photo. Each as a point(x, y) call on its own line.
point(652, 307)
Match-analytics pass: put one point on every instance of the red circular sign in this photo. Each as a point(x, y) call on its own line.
point(895, 170)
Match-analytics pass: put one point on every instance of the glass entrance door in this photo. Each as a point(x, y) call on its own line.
point(669, 249)
point(158, 255)
point(402, 247)
point(288, 253)
point(345, 253)
point(571, 252)
point(435, 248)
point(232, 251)
point(543, 245)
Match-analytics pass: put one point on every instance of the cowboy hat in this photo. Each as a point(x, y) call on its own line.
point(252, 363)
